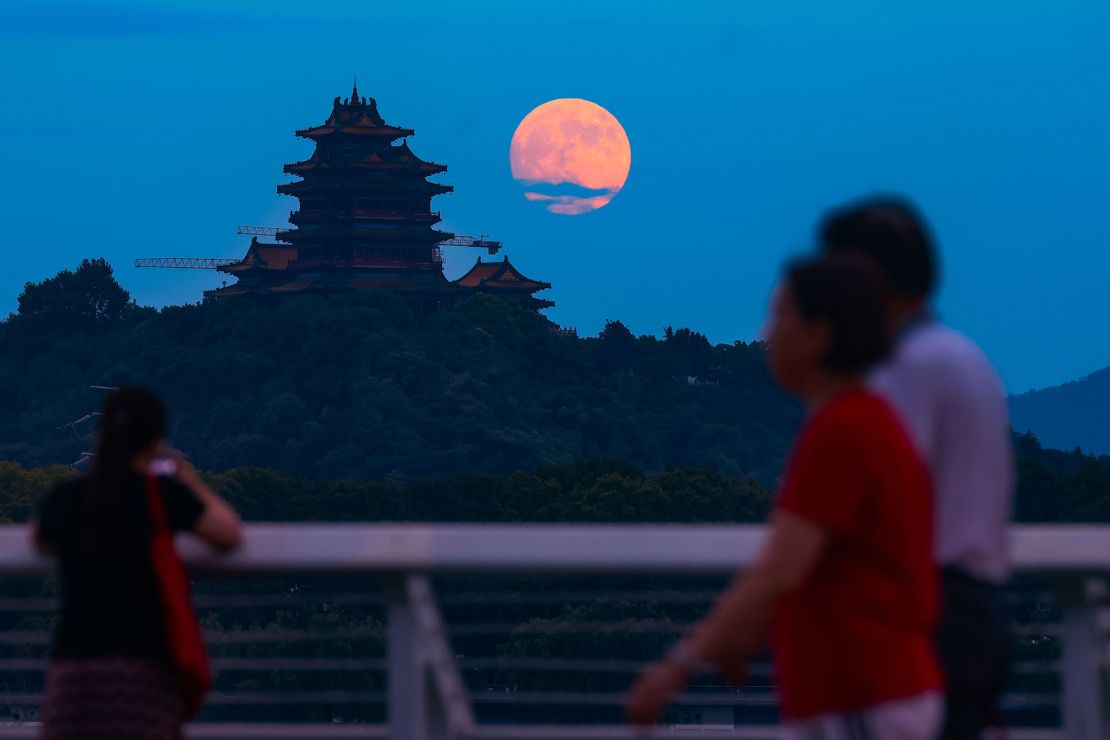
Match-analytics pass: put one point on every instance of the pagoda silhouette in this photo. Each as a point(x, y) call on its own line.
point(365, 220)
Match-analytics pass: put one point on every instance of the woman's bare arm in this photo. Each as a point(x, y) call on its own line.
point(219, 525)
point(737, 625)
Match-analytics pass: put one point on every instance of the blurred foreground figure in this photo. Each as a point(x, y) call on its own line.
point(114, 669)
point(954, 405)
point(846, 583)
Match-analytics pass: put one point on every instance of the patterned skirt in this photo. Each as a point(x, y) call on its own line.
point(111, 699)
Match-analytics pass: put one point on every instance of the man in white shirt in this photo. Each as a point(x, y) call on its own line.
point(954, 406)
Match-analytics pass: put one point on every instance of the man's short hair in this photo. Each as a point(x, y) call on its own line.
point(890, 233)
point(846, 293)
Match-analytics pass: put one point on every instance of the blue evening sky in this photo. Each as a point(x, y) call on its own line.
point(153, 129)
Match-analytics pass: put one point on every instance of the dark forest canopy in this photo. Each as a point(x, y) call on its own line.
point(355, 386)
point(348, 406)
point(1053, 486)
point(85, 299)
point(587, 491)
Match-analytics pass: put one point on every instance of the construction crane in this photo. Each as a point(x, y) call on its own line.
point(260, 230)
point(214, 263)
point(480, 242)
point(468, 241)
point(185, 263)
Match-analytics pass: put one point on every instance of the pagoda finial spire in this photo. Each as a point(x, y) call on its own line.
point(354, 91)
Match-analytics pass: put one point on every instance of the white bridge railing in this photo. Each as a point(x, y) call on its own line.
point(425, 694)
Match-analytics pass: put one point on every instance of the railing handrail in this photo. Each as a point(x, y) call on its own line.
point(515, 548)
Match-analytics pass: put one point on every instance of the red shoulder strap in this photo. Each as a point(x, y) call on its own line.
point(154, 503)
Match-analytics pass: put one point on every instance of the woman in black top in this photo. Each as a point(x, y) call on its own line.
point(110, 674)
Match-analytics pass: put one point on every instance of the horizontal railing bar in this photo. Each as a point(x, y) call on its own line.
point(299, 664)
point(580, 548)
point(672, 596)
point(244, 637)
point(11, 665)
point(245, 698)
point(745, 698)
point(578, 698)
point(763, 697)
point(567, 665)
point(511, 598)
point(593, 665)
point(295, 697)
point(573, 665)
point(243, 731)
point(264, 731)
point(746, 732)
point(556, 732)
point(554, 627)
point(558, 665)
point(290, 635)
point(233, 601)
point(246, 731)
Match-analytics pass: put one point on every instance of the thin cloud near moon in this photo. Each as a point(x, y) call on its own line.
point(570, 144)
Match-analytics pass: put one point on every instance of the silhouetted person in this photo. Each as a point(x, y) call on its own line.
point(111, 673)
point(845, 583)
point(954, 405)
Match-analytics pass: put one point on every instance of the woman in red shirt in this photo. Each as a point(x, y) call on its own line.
point(845, 587)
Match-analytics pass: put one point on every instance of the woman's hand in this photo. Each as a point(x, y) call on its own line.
point(653, 690)
point(185, 473)
point(219, 525)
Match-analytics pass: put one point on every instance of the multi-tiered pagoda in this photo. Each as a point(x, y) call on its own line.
point(365, 218)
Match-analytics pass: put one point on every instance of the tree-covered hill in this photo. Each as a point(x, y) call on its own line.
point(355, 386)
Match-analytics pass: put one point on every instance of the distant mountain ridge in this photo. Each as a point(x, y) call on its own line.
point(1075, 414)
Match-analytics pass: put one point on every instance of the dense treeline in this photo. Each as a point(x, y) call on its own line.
point(1057, 486)
point(589, 491)
point(1053, 486)
point(356, 386)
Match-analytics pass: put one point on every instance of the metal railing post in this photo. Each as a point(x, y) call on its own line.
point(427, 698)
point(406, 682)
point(1083, 689)
point(449, 702)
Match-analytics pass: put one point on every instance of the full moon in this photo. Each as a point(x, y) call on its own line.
point(570, 155)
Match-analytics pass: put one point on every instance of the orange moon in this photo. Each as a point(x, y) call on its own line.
point(571, 155)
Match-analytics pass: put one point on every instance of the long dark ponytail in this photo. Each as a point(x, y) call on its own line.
point(132, 420)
